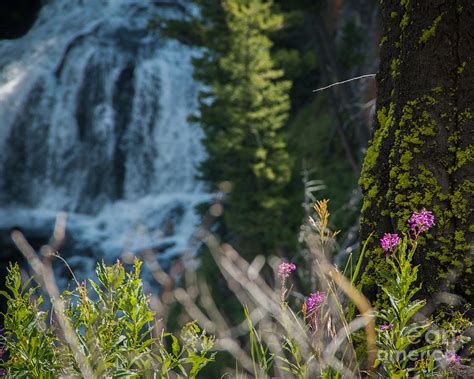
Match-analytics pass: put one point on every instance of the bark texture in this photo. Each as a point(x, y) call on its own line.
point(421, 151)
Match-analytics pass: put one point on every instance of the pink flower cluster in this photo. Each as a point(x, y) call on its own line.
point(389, 241)
point(421, 221)
point(285, 269)
point(314, 300)
point(452, 358)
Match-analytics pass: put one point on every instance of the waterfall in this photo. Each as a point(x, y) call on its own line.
point(94, 108)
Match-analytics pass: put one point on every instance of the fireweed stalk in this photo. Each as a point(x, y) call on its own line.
point(312, 308)
point(398, 332)
point(284, 271)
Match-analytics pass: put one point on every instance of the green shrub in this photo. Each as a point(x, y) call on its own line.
point(114, 329)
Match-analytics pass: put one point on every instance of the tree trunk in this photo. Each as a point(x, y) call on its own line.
point(421, 151)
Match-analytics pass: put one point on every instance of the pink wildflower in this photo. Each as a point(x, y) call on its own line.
point(314, 300)
point(452, 358)
point(285, 269)
point(389, 241)
point(385, 327)
point(421, 221)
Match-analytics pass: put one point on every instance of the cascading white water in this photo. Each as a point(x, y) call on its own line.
point(94, 110)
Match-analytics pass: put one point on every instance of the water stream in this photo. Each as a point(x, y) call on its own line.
point(94, 109)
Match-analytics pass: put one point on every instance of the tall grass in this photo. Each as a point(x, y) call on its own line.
point(111, 328)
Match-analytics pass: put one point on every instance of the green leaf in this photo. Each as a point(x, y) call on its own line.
point(175, 346)
point(360, 260)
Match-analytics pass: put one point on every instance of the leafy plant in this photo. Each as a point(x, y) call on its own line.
point(399, 332)
point(399, 335)
point(114, 326)
point(194, 351)
point(27, 339)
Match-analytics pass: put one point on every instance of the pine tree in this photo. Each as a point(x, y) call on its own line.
point(242, 112)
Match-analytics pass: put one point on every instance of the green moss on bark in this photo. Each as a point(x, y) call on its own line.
point(412, 187)
point(431, 31)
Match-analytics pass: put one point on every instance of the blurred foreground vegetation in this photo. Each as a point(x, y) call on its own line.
point(110, 328)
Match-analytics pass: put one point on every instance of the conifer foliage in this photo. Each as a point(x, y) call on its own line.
point(242, 112)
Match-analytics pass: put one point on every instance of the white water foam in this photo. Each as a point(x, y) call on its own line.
point(93, 122)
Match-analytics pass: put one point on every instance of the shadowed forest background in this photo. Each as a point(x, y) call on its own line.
point(198, 136)
point(324, 134)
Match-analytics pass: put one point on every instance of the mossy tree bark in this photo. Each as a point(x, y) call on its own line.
point(421, 151)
